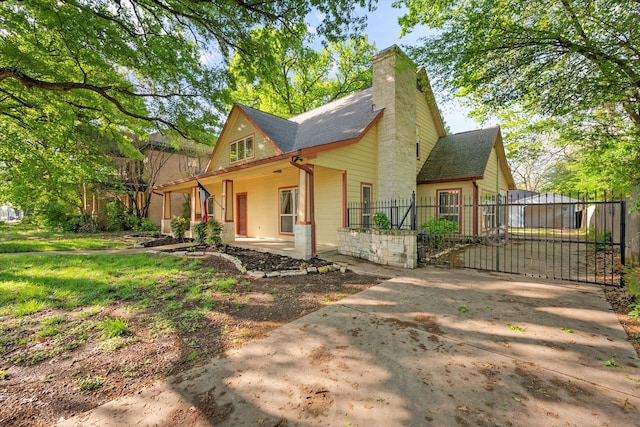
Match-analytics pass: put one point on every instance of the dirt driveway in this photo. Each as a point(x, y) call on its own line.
point(444, 347)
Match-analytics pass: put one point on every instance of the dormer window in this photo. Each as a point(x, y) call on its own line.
point(241, 150)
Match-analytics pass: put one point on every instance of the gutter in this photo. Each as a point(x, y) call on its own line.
point(312, 213)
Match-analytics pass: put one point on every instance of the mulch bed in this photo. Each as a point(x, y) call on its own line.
point(251, 259)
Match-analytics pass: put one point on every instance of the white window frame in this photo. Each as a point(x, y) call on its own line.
point(211, 206)
point(488, 210)
point(294, 209)
point(242, 149)
point(448, 210)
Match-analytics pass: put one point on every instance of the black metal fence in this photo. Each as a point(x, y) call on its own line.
point(398, 213)
point(577, 238)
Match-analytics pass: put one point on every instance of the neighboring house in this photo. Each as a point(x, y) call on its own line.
point(546, 210)
point(292, 179)
point(134, 179)
point(9, 213)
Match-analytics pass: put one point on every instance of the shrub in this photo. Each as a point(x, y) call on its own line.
point(381, 221)
point(57, 216)
point(632, 282)
point(147, 225)
point(437, 228)
point(179, 226)
point(117, 216)
point(200, 233)
point(214, 232)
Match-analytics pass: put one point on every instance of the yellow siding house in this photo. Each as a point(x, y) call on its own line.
point(292, 179)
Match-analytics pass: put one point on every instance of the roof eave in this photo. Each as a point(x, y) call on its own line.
point(267, 160)
point(450, 179)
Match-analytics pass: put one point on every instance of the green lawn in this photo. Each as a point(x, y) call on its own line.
point(57, 298)
point(28, 238)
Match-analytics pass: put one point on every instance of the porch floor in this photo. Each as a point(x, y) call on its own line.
point(280, 247)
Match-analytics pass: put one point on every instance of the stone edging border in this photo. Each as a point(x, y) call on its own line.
point(256, 273)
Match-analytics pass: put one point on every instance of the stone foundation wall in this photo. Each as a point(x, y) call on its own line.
point(387, 247)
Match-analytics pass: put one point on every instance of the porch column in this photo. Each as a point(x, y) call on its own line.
point(194, 210)
point(228, 224)
point(165, 222)
point(302, 229)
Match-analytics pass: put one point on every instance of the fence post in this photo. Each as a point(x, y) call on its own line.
point(414, 216)
point(348, 217)
point(392, 203)
point(623, 232)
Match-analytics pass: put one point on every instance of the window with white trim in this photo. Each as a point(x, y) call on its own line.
point(288, 209)
point(211, 206)
point(241, 149)
point(488, 211)
point(449, 205)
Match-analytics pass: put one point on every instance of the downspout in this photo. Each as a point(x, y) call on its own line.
point(312, 214)
point(475, 207)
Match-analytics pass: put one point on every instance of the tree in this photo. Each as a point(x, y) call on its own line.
point(139, 176)
point(77, 76)
point(533, 147)
point(291, 77)
point(574, 60)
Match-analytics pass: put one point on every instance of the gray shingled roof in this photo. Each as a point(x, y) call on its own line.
point(340, 120)
point(458, 156)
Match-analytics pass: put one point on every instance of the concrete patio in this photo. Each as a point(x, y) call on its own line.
point(280, 247)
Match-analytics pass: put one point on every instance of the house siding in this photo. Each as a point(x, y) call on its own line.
point(328, 204)
point(240, 127)
point(428, 133)
point(490, 181)
point(360, 160)
point(262, 203)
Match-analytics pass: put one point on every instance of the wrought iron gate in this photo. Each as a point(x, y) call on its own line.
point(578, 239)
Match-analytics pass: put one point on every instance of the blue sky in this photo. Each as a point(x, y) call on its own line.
point(384, 31)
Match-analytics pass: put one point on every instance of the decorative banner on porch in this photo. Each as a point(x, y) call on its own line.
point(203, 195)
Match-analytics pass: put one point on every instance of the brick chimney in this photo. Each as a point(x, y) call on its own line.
point(394, 89)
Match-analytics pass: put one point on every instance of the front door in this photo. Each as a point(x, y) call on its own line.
point(241, 209)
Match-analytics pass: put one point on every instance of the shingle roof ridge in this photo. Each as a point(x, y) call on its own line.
point(260, 111)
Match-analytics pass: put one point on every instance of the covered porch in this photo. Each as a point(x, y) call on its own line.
point(268, 206)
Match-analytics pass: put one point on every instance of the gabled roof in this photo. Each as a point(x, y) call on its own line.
point(461, 156)
point(341, 120)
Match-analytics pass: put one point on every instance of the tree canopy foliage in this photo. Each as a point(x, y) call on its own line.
point(292, 77)
point(78, 76)
point(576, 61)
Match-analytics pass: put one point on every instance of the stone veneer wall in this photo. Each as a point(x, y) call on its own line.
point(394, 89)
point(388, 247)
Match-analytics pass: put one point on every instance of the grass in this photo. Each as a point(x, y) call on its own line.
point(15, 238)
point(91, 383)
point(516, 328)
point(112, 328)
point(611, 363)
point(53, 304)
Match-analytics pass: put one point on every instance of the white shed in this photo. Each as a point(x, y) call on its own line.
point(546, 210)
